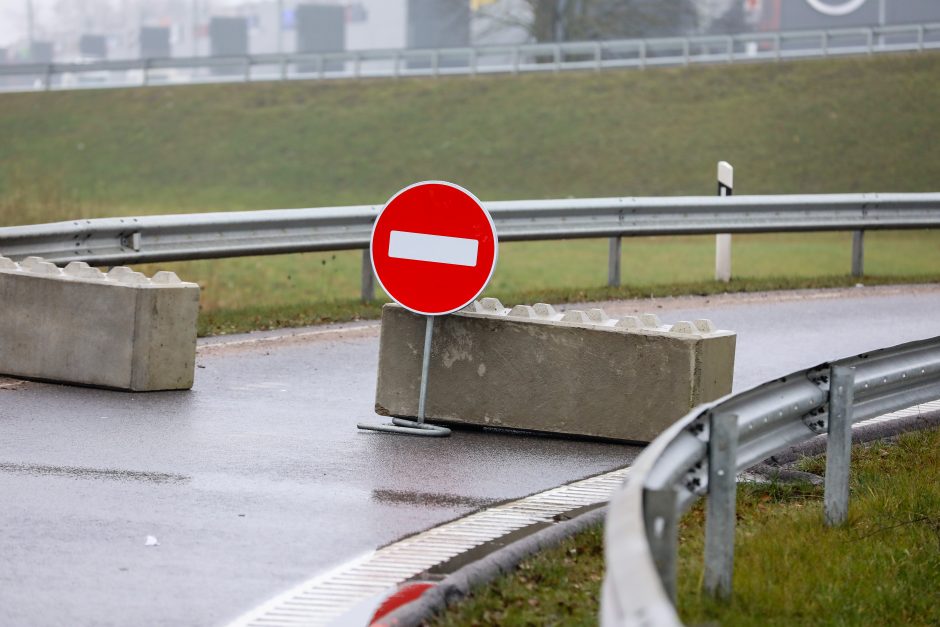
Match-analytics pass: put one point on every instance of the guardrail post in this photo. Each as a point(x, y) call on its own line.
point(778, 46)
point(397, 64)
point(436, 62)
point(368, 278)
point(473, 62)
point(516, 54)
point(858, 253)
point(613, 262)
point(871, 40)
point(643, 55)
point(357, 62)
point(283, 64)
point(920, 37)
point(685, 51)
point(247, 69)
point(556, 53)
point(47, 78)
point(839, 444)
point(597, 57)
point(825, 43)
point(720, 510)
point(662, 532)
point(730, 49)
point(144, 67)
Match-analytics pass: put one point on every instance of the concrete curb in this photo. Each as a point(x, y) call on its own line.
point(458, 585)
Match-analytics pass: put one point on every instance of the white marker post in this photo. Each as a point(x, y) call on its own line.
point(723, 240)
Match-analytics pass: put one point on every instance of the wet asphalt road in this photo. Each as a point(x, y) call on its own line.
point(257, 478)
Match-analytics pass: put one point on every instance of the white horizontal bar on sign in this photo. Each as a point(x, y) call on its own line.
point(434, 248)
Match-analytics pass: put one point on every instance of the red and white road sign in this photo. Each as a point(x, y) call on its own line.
point(433, 247)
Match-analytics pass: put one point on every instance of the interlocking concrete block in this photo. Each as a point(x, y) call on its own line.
point(577, 373)
point(78, 325)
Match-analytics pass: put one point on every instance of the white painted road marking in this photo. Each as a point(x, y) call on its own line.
point(434, 248)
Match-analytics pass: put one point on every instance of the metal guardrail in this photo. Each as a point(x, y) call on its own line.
point(577, 55)
point(144, 239)
point(701, 453)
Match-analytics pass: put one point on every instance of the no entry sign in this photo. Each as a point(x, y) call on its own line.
point(433, 247)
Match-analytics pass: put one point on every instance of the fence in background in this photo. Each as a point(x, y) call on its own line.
point(701, 454)
point(545, 57)
point(117, 241)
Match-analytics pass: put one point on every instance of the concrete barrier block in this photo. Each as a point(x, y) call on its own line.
point(684, 326)
point(78, 325)
point(544, 310)
point(576, 316)
point(522, 311)
point(651, 321)
point(492, 305)
point(705, 326)
point(579, 374)
point(629, 322)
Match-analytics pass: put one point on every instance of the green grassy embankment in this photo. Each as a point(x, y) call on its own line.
point(847, 125)
point(881, 568)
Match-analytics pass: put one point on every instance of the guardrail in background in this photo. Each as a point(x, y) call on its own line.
point(117, 241)
point(576, 55)
point(702, 452)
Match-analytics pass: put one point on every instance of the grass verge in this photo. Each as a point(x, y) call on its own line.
point(802, 127)
point(788, 128)
point(881, 568)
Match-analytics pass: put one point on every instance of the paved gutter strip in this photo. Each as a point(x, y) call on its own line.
point(459, 584)
point(329, 596)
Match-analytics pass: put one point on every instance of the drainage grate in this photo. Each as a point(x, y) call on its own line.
point(329, 596)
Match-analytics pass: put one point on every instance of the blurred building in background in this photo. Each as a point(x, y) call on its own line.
point(93, 46)
point(69, 30)
point(41, 51)
point(321, 28)
point(154, 42)
point(228, 37)
point(790, 15)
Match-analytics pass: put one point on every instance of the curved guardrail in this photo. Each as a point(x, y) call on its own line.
point(180, 237)
point(144, 239)
point(700, 454)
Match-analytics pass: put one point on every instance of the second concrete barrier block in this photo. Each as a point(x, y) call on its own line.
point(578, 373)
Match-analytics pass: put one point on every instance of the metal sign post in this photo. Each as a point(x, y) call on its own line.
point(415, 427)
